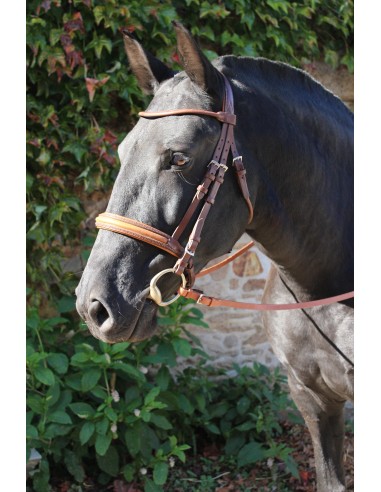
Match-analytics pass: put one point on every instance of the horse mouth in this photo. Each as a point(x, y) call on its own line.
point(141, 327)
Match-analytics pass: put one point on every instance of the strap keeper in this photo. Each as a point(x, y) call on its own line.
point(188, 252)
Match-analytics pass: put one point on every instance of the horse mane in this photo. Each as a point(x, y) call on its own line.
point(283, 82)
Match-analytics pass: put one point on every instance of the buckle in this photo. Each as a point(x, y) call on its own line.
point(200, 298)
point(224, 167)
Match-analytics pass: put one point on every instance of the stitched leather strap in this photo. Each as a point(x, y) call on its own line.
point(226, 261)
point(140, 231)
point(219, 115)
point(209, 301)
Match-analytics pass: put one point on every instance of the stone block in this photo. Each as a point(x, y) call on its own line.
point(247, 265)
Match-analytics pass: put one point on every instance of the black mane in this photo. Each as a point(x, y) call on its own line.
point(281, 81)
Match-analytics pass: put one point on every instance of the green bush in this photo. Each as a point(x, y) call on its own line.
point(108, 410)
point(90, 405)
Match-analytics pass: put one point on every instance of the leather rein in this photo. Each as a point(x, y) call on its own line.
point(206, 194)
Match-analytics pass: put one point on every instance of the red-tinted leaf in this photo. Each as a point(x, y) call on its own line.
point(33, 117)
point(93, 84)
point(66, 40)
point(51, 142)
point(110, 137)
point(49, 180)
point(75, 24)
point(54, 120)
point(35, 142)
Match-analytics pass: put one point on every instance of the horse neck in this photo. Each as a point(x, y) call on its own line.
point(299, 167)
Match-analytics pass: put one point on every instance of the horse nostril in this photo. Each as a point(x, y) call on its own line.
point(98, 313)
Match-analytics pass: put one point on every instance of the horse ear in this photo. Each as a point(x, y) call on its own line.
point(196, 65)
point(148, 70)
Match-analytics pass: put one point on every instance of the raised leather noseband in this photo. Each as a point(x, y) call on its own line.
point(140, 231)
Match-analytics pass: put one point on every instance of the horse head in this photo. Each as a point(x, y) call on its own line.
point(163, 161)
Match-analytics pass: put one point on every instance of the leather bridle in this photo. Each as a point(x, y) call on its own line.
point(206, 194)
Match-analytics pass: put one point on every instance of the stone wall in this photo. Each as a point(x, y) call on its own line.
point(235, 335)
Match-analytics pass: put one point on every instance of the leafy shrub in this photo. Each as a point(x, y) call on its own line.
point(120, 409)
point(81, 101)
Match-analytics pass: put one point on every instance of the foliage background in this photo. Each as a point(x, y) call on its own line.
point(81, 101)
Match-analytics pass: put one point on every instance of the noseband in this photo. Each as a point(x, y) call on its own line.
point(206, 193)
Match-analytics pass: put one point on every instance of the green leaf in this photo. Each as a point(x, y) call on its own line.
point(74, 465)
point(129, 370)
point(182, 347)
point(41, 477)
point(133, 440)
point(163, 378)
point(59, 417)
point(129, 472)
point(213, 429)
point(243, 405)
point(77, 148)
point(151, 395)
point(109, 461)
point(292, 466)
point(234, 443)
point(150, 486)
point(31, 432)
point(119, 347)
point(102, 443)
point(86, 432)
point(83, 410)
point(80, 358)
point(90, 378)
point(160, 473)
point(98, 44)
point(66, 304)
point(251, 453)
point(161, 422)
point(44, 375)
point(36, 403)
point(111, 414)
point(102, 426)
point(59, 362)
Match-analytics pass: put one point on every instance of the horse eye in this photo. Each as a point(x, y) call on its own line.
point(179, 159)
